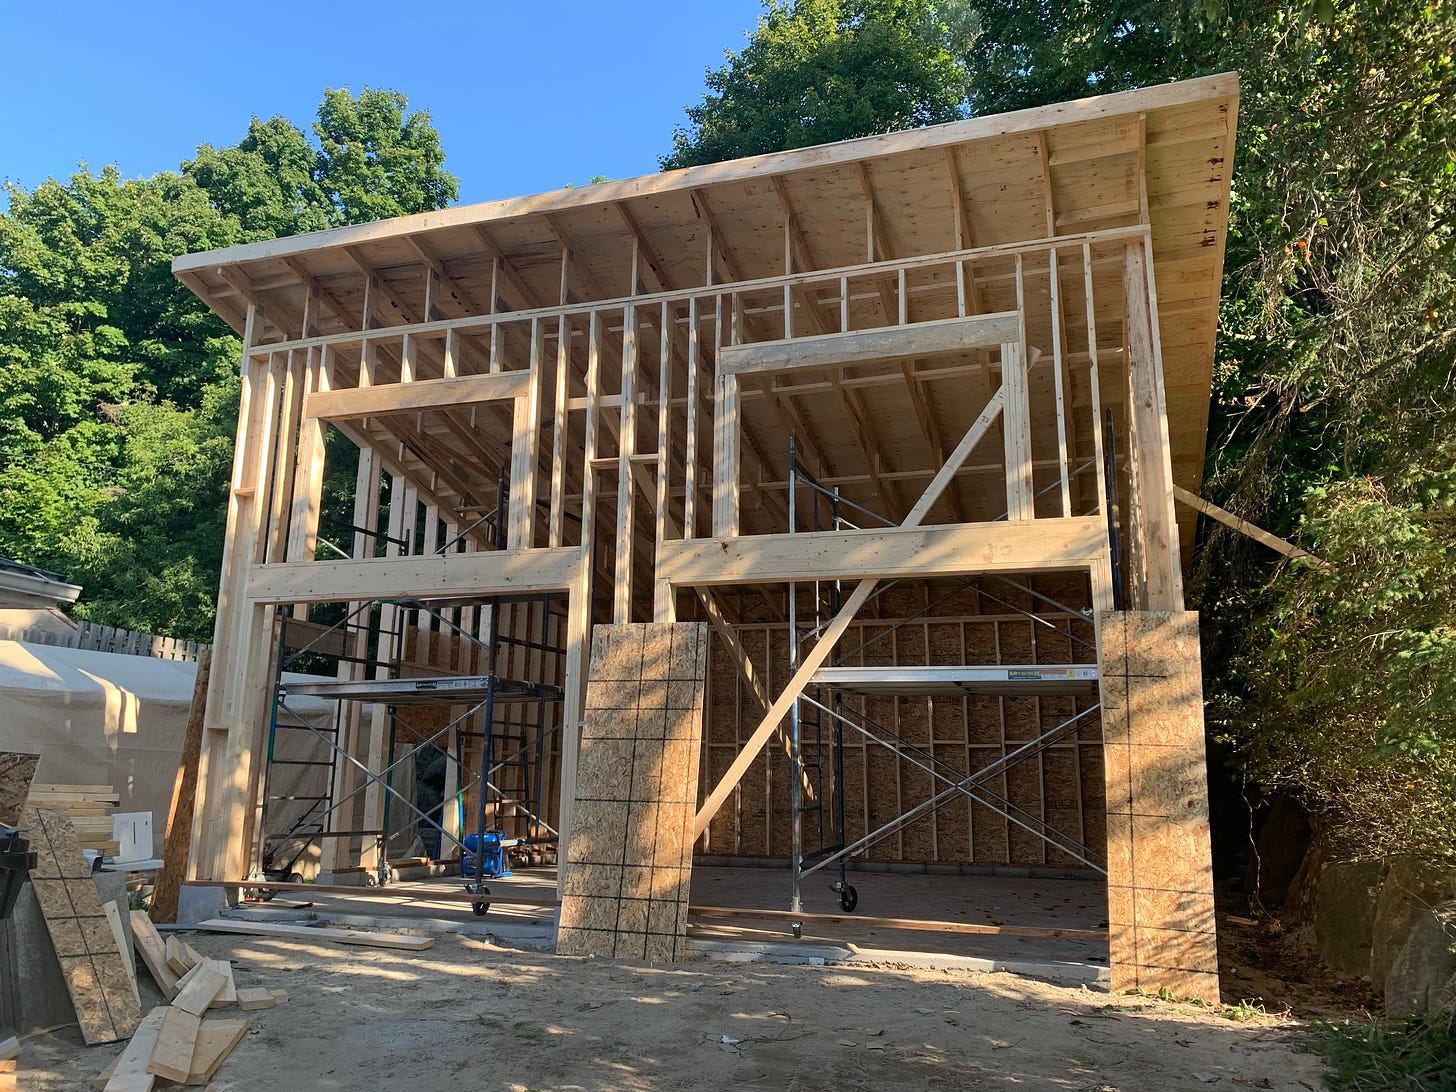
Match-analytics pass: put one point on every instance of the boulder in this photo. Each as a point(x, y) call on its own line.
point(1281, 846)
point(1338, 899)
point(1409, 890)
point(1422, 977)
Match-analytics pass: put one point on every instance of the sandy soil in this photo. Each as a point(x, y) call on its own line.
point(469, 1014)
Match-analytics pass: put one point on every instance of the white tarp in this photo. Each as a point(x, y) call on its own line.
point(98, 718)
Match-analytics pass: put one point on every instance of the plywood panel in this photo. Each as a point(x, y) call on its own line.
point(17, 771)
point(95, 972)
point(1160, 881)
point(625, 880)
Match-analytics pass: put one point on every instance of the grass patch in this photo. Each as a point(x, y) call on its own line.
point(1417, 1054)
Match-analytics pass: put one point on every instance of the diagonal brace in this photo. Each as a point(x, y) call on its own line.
point(840, 623)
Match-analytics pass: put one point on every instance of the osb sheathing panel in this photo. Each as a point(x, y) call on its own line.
point(17, 771)
point(1160, 881)
point(964, 733)
point(625, 880)
point(95, 972)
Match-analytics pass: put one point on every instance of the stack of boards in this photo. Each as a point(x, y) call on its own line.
point(90, 808)
point(180, 1043)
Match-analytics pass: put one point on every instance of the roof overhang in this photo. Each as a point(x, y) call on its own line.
point(1162, 154)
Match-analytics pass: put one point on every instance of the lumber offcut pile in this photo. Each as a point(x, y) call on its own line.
point(90, 808)
point(9, 1062)
point(183, 1042)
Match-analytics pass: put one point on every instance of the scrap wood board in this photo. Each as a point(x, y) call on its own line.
point(149, 945)
point(176, 1044)
point(129, 1072)
point(203, 986)
point(215, 1041)
point(305, 932)
point(92, 964)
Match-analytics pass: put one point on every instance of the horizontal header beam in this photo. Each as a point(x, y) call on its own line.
point(862, 346)
point(422, 394)
point(432, 576)
point(965, 549)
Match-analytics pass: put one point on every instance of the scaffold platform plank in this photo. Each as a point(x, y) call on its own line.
point(942, 681)
point(436, 690)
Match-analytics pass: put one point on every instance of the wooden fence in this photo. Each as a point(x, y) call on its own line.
point(96, 638)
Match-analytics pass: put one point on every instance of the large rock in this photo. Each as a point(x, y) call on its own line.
point(1410, 889)
point(1338, 899)
point(1283, 841)
point(1423, 975)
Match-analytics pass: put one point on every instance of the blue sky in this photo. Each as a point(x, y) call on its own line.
point(527, 97)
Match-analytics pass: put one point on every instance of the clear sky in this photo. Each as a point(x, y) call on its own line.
point(527, 97)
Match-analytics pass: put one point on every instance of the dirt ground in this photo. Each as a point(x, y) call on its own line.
point(467, 1013)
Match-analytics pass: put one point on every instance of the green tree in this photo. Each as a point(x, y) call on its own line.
point(376, 160)
point(268, 180)
point(118, 389)
point(373, 159)
point(91, 320)
point(823, 70)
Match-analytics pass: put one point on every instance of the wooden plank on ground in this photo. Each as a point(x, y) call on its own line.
point(401, 892)
point(215, 1041)
point(200, 992)
point(898, 923)
point(129, 1072)
point(304, 932)
point(228, 995)
point(176, 1044)
point(90, 960)
point(177, 841)
point(148, 944)
point(256, 998)
point(178, 958)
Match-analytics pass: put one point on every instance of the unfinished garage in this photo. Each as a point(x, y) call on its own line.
point(748, 549)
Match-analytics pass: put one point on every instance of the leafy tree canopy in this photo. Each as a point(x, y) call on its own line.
point(824, 70)
point(118, 389)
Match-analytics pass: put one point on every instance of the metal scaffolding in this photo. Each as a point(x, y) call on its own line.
point(511, 723)
point(822, 704)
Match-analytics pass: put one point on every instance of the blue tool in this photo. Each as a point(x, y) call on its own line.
point(485, 856)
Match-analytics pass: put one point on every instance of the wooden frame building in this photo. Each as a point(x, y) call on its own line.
point(910, 403)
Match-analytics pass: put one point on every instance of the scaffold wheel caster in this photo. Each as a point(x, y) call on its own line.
point(480, 906)
point(798, 929)
point(848, 898)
